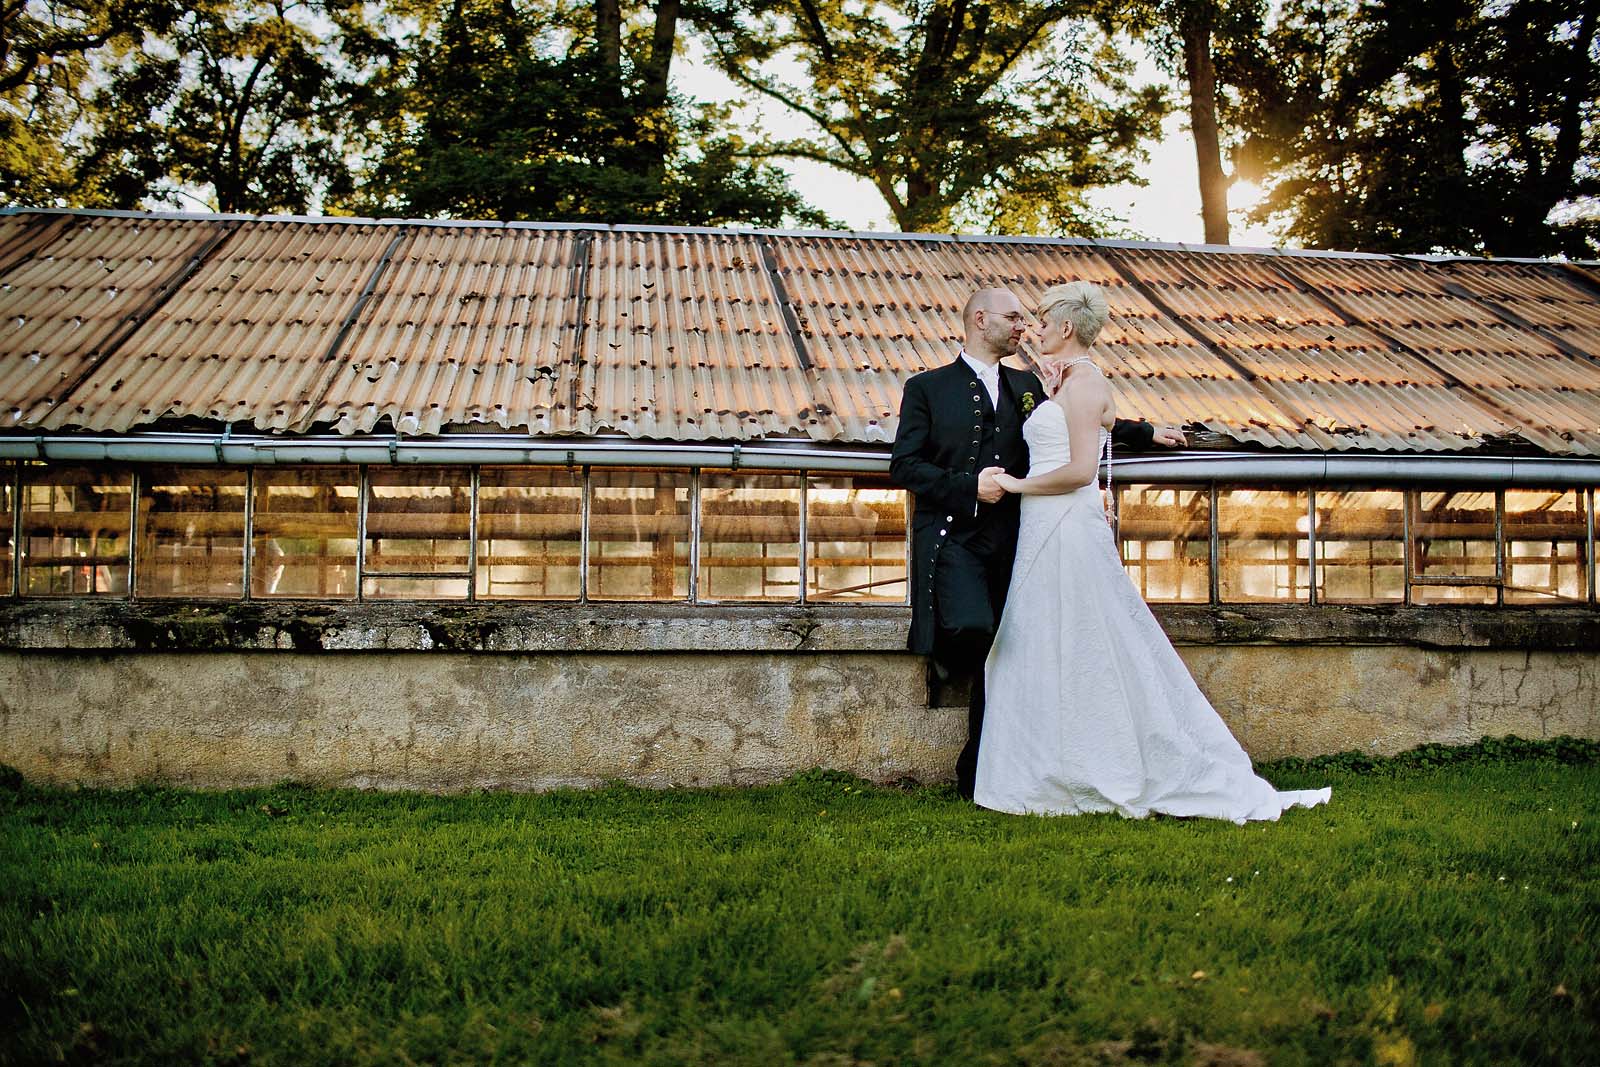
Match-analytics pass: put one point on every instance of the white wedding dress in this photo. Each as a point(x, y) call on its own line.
point(1089, 707)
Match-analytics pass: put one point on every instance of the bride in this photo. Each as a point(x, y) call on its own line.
point(1090, 708)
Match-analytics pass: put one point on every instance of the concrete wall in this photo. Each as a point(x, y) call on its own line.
point(398, 696)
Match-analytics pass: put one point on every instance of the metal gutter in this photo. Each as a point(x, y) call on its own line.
point(1300, 468)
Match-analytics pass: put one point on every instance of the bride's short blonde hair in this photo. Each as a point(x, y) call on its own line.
point(1080, 303)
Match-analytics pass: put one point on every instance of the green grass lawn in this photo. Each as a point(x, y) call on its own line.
point(1444, 913)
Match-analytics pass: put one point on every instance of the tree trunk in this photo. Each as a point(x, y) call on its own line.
point(1201, 75)
point(608, 35)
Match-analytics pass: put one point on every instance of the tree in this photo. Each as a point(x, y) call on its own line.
point(241, 104)
point(995, 116)
point(563, 113)
point(1434, 125)
point(47, 50)
point(1214, 46)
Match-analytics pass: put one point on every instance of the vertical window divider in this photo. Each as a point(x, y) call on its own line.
point(1499, 547)
point(16, 528)
point(472, 532)
point(1588, 511)
point(1311, 545)
point(1407, 547)
point(362, 489)
point(910, 514)
point(694, 535)
point(249, 527)
point(803, 550)
point(585, 509)
point(1215, 590)
point(135, 486)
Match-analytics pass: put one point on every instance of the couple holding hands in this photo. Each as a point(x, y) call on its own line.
point(1079, 701)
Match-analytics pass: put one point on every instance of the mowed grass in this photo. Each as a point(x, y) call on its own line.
point(1429, 915)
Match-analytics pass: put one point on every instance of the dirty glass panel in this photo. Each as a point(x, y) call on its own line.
point(1361, 540)
point(1547, 546)
point(855, 539)
point(76, 521)
point(749, 535)
point(1453, 543)
point(191, 532)
point(1166, 541)
point(638, 534)
point(1263, 553)
point(530, 533)
point(304, 537)
point(418, 525)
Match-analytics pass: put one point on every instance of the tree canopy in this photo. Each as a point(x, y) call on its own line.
point(1385, 125)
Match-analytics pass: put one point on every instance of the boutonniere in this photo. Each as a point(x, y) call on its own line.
point(1027, 404)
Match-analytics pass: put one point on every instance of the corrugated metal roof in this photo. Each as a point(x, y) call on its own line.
point(114, 321)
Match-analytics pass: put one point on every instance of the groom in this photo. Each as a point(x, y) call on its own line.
point(957, 421)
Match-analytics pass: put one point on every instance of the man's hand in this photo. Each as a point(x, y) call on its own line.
point(989, 491)
point(1170, 436)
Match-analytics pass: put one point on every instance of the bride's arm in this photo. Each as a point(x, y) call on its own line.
point(1085, 404)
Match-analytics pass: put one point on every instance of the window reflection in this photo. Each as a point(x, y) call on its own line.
point(749, 536)
point(1453, 546)
point(855, 538)
point(1166, 541)
point(1263, 552)
point(530, 533)
point(638, 534)
point(191, 532)
point(304, 538)
point(1546, 539)
point(75, 530)
point(1361, 546)
point(418, 523)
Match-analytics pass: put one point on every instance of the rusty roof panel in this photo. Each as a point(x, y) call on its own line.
point(466, 325)
point(244, 339)
point(686, 334)
point(68, 303)
point(686, 340)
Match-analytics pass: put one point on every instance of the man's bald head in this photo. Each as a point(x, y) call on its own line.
point(982, 300)
point(994, 322)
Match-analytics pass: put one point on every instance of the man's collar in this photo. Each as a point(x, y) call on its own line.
point(976, 364)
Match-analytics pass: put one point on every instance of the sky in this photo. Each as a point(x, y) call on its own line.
point(1166, 209)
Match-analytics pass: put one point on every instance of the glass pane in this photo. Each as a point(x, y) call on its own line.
point(418, 522)
point(1361, 546)
point(856, 539)
point(304, 538)
point(530, 532)
point(1453, 537)
point(75, 523)
point(1166, 541)
point(1547, 546)
point(414, 588)
point(638, 534)
point(191, 532)
point(749, 536)
point(1262, 549)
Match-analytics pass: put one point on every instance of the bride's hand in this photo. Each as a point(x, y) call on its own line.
point(1007, 482)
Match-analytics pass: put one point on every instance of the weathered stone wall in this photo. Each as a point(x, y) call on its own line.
point(449, 698)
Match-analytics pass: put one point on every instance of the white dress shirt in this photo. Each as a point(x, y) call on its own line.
point(989, 375)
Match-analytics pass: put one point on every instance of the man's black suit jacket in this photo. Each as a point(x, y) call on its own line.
point(937, 458)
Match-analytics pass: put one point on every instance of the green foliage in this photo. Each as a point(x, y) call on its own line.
point(241, 104)
point(1446, 915)
point(508, 113)
point(1490, 750)
point(1433, 125)
point(988, 117)
point(47, 51)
